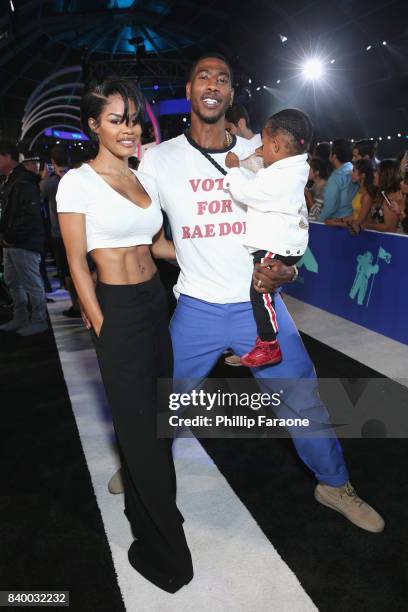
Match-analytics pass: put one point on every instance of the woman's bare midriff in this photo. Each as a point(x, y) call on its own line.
point(124, 265)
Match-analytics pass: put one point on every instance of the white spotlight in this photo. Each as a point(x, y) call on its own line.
point(332, 61)
point(12, 6)
point(264, 86)
point(380, 138)
point(278, 81)
point(388, 137)
point(258, 89)
point(184, 119)
point(313, 69)
point(369, 47)
point(249, 81)
point(399, 135)
point(384, 42)
point(283, 38)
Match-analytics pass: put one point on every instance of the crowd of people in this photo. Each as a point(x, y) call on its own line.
point(350, 187)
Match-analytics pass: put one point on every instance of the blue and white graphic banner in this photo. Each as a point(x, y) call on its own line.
point(362, 278)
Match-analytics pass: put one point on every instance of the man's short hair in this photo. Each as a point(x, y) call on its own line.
point(9, 148)
point(207, 56)
point(342, 149)
point(237, 112)
point(366, 147)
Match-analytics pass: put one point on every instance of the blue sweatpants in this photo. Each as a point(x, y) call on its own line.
point(201, 331)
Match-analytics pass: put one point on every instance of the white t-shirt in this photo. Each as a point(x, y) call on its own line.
point(111, 219)
point(208, 226)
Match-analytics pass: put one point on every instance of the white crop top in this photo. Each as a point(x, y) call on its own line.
point(111, 219)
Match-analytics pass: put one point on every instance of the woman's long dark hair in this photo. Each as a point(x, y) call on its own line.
point(365, 166)
point(390, 175)
point(96, 96)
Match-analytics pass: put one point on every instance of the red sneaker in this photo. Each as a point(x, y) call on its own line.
point(263, 353)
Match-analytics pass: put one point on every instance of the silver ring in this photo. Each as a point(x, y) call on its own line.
point(259, 284)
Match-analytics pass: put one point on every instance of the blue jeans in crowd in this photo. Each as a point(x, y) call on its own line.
point(23, 279)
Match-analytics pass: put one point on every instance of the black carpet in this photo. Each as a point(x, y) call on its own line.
point(341, 567)
point(52, 536)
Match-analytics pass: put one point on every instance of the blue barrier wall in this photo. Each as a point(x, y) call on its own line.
point(361, 278)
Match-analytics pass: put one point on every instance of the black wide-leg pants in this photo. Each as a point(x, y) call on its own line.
point(134, 350)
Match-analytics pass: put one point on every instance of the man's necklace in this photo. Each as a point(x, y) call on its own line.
point(228, 142)
point(225, 145)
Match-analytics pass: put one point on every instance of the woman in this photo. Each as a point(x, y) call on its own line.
point(319, 173)
point(384, 214)
point(363, 174)
point(113, 212)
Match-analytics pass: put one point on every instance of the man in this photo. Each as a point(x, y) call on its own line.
point(213, 311)
point(237, 123)
point(339, 191)
point(49, 187)
point(22, 239)
point(365, 149)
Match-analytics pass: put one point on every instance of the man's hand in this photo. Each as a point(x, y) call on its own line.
point(270, 275)
point(232, 160)
point(3, 243)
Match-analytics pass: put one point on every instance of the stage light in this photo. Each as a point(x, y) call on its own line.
point(249, 81)
point(369, 47)
point(313, 69)
point(384, 42)
point(264, 86)
point(388, 137)
point(57, 142)
point(399, 135)
point(278, 81)
point(380, 138)
point(184, 119)
point(283, 38)
point(12, 5)
point(371, 138)
point(258, 89)
point(155, 87)
point(332, 61)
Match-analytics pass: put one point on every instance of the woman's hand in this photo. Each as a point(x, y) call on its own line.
point(232, 160)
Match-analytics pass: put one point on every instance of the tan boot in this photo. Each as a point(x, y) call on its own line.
point(346, 501)
point(115, 485)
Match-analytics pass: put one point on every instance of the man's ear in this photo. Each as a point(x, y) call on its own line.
point(242, 124)
point(188, 90)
